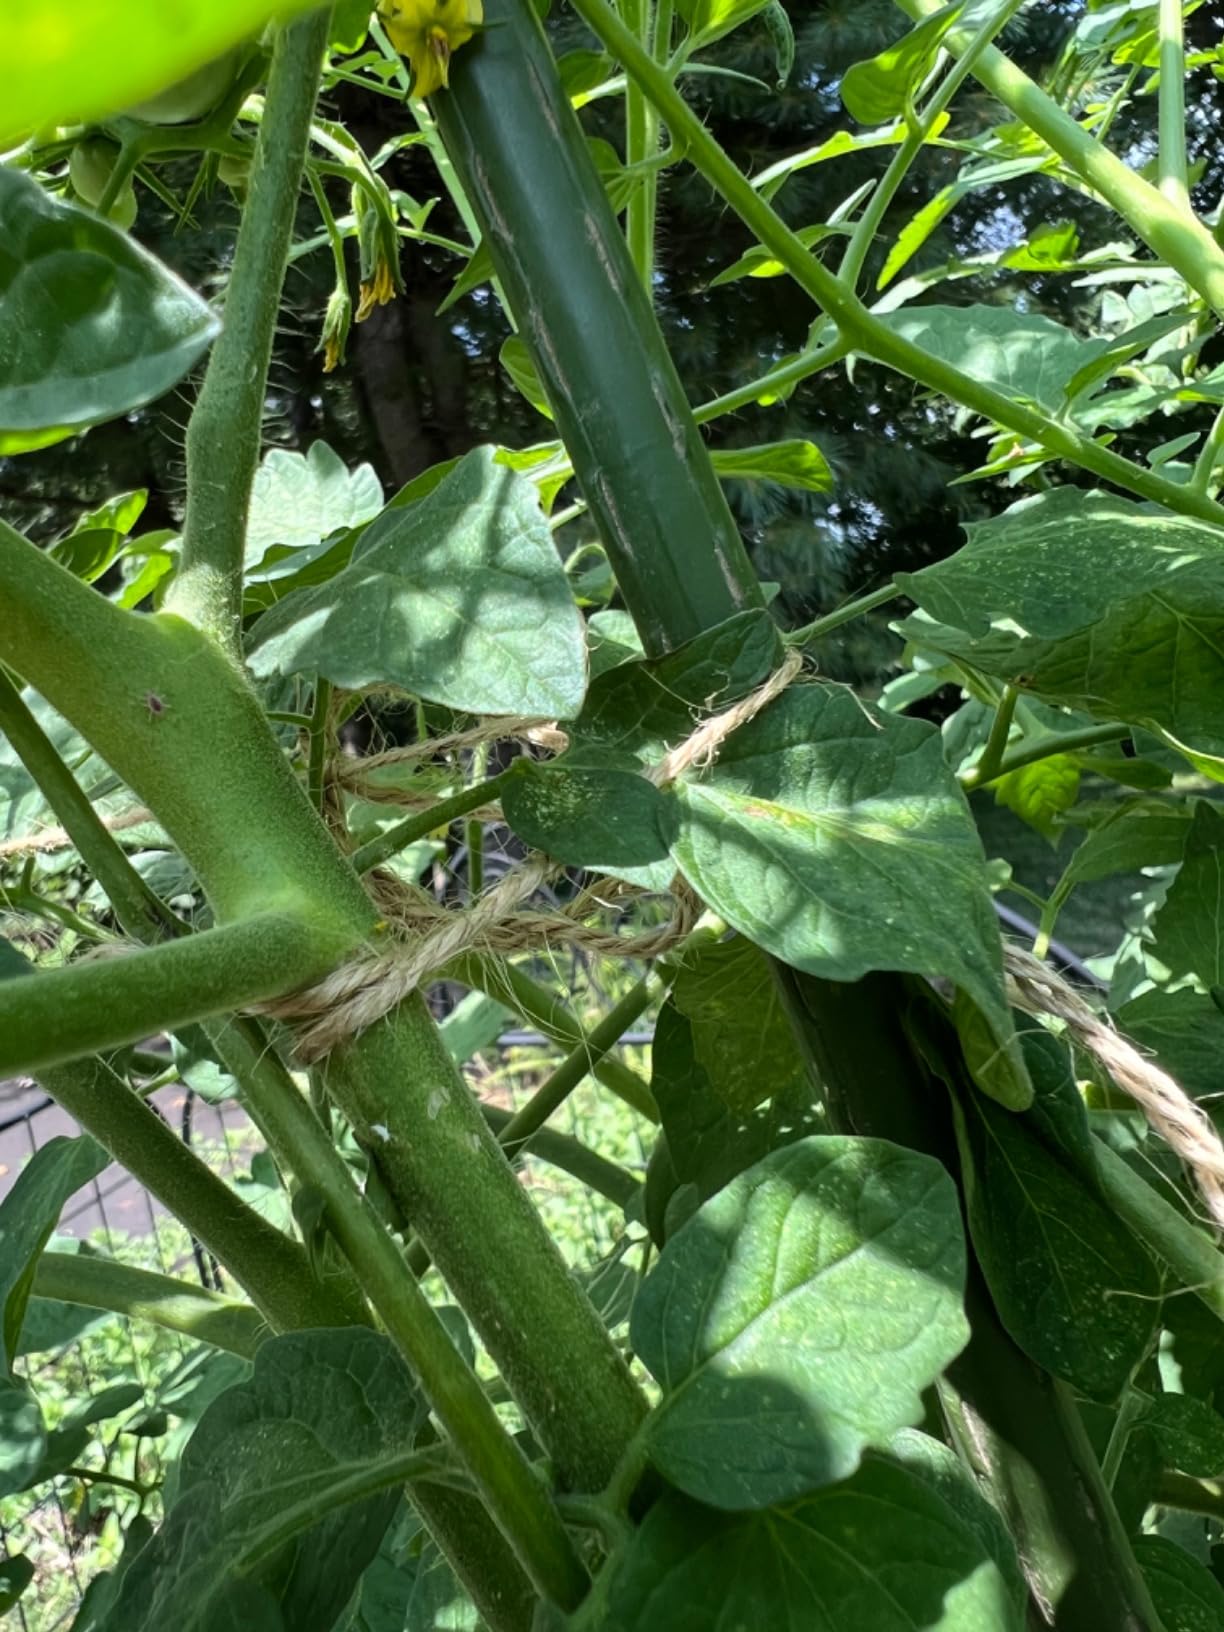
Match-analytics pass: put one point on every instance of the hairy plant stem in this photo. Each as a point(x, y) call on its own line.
point(176, 1306)
point(920, 127)
point(861, 329)
point(812, 632)
point(990, 765)
point(139, 909)
point(1029, 753)
point(1168, 228)
point(429, 820)
point(224, 432)
point(1171, 162)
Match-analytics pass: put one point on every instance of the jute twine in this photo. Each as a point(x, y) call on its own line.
point(359, 775)
point(351, 998)
point(55, 838)
point(1184, 1126)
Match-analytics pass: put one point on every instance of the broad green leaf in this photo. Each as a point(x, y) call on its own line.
point(23, 1436)
point(1089, 601)
point(256, 1520)
point(636, 711)
point(1190, 1434)
point(711, 19)
point(16, 1573)
point(796, 1319)
point(839, 840)
point(611, 820)
point(28, 1214)
point(881, 1552)
point(882, 87)
point(115, 53)
point(717, 1125)
point(612, 639)
point(300, 500)
point(461, 599)
point(1188, 930)
point(94, 325)
point(794, 463)
point(1184, 1030)
point(350, 21)
point(1187, 1596)
point(1021, 353)
point(1040, 793)
point(938, 1466)
point(1135, 834)
point(742, 1036)
point(1071, 1285)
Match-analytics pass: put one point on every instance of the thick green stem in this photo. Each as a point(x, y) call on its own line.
point(176, 719)
point(412, 1111)
point(1168, 228)
point(990, 765)
point(516, 1499)
point(88, 1006)
point(141, 912)
point(223, 437)
point(863, 331)
point(271, 1268)
point(176, 1306)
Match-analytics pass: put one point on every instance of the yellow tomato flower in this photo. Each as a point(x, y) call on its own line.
point(426, 32)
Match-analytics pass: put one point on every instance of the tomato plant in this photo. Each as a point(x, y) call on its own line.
point(925, 1282)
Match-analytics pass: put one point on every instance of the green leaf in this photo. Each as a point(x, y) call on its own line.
point(461, 599)
point(16, 1573)
point(796, 1319)
point(23, 1437)
point(115, 53)
point(711, 19)
point(478, 269)
point(1185, 1032)
point(1135, 834)
point(96, 539)
point(438, 1603)
point(940, 205)
point(636, 711)
point(1188, 930)
point(839, 840)
point(1040, 793)
point(759, 262)
point(949, 1476)
point(516, 360)
point(1187, 1596)
point(882, 87)
point(782, 38)
point(65, 1443)
point(28, 1214)
point(299, 500)
point(1070, 1284)
point(612, 639)
point(881, 1552)
point(795, 463)
point(1089, 601)
point(610, 820)
point(94, 325)
point(256, 1521)
point(717, 1125)
point(769, 181)
point(742, 1037)
point(1189, 1433)
point(350, 21)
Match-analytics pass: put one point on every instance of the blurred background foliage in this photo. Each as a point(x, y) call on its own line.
point(417, 387)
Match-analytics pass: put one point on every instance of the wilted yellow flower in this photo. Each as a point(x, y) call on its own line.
point(426, 32)
point(376, 291)
point(335, 329)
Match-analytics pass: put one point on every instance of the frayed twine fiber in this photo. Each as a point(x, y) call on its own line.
point(55, 838)
point(358, 775)
point(360, 992)
point(1184, 1126)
